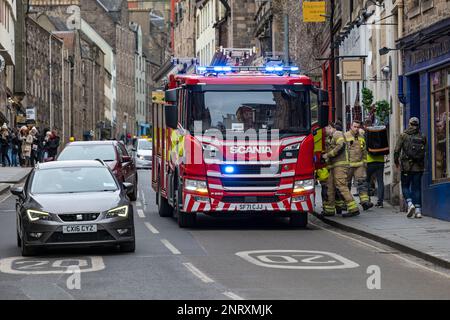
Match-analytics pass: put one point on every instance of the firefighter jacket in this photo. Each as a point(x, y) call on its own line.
point(356, 148)
point(335, 150)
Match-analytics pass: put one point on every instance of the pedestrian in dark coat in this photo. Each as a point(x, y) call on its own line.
point(53, 145)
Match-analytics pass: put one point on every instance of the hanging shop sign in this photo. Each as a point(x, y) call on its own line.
point(158, 96)
point(31, 113)
point(352, 69)
point(314, 11)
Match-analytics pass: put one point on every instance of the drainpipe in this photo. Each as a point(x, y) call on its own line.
point(51, 78)
point(399, 113)
point(63, 96)
point(93, 95)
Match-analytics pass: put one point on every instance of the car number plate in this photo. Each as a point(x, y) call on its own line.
point(252, 207)
point(84, 228)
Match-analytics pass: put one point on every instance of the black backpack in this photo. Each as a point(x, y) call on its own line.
point(414, 147)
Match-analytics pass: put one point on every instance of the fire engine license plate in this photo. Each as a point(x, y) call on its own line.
point(85, 228)
point(252, 207)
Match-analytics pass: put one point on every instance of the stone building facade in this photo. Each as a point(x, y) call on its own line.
point(44, 76)
point(111, 20)
point(184, 29)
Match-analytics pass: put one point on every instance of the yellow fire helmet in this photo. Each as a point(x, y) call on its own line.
point(72, 139)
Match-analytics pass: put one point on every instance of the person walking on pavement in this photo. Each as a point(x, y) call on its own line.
point(4, 142)
point(336, 157)
point(34, 157)
point(409, 155)
point(27, 142)
point(15, 147)
point(53, 145)
point(357, 154)
point(375, 168)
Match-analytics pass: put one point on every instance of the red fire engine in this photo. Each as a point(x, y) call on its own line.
point(237, 139)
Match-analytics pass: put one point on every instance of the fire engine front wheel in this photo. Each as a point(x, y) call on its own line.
point(299, 220)
point(185, 220)
point(164, 209)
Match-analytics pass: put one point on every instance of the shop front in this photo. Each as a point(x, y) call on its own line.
point(427, 78)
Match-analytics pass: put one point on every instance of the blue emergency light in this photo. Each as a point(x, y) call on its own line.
point(274, 69)
point(229, 169)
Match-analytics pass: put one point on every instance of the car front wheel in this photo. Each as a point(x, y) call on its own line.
point(128, 247)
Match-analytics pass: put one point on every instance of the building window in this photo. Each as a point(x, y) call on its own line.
point(413, 8)
point(440, 101)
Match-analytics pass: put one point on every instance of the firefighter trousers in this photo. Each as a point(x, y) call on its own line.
point(359, 174)
point(339, 200)
point(337, 181)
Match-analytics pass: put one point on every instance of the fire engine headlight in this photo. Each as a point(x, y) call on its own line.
point(35, 215)
point(196, 186)
point(303, 185)
point(118, 212)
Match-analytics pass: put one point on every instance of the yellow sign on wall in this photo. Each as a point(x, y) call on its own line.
point(158, 96)
point(314, 11)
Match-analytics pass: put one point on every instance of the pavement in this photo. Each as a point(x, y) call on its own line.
point(221, 258)
point(427, 238)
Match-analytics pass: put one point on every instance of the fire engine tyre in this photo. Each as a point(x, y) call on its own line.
point(185, 220)
point(299, 220)
point(164, 209)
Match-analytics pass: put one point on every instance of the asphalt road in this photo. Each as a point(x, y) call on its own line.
point(222, 258)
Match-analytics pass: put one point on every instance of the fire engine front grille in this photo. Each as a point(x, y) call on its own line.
point(252, 169)
point(250, 182)
point(249, 199)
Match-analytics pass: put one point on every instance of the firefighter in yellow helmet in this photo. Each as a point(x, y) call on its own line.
point(336, 157)
point(357, 156)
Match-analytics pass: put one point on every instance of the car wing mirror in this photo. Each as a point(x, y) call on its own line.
point(126, 159)
point(17, 191)
point(128, 187)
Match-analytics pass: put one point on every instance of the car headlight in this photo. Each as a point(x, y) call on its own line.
point(303, 185)
point(118, 212)
point(196, 185)
point(292, 147)
point(35, 215)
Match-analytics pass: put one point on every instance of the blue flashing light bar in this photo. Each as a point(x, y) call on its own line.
point(229, 169)
point(280, 70)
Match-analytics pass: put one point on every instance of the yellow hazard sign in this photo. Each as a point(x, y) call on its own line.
point(158, 96)
point(314, 11)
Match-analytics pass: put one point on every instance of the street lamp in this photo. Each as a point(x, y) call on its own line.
point(383, 51)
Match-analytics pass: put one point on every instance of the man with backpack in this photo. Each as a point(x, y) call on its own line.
point(409, 154)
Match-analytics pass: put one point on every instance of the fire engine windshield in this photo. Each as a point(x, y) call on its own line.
point(285, 110)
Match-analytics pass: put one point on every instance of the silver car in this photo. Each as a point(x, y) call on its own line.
point(142, 152)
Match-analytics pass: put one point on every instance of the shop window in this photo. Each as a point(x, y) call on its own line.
point(440, 101)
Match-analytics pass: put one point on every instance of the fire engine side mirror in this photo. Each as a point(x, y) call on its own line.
point(171, 96)
point(323, 115)
point(171, 113)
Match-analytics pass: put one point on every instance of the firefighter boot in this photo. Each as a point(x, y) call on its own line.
point(329, 209)
point(352, 208)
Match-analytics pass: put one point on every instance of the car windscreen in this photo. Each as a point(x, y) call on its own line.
point(88, 152)
point(284, 110)
point(73, 180)
point(144, 145)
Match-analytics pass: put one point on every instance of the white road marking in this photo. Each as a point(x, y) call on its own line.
point(198, 273)
point(170, 246)
point(232, 295)
point(30, 266)
point(138, 204)
point(5, 198)
point(379, 249)
point(151, 228)
point(140, 213)
point(297, 259)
